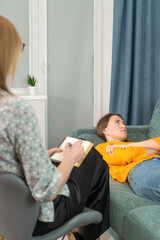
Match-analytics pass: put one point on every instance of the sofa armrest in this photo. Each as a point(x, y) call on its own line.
point(135, 133)
point(88, 133)
point(76, 132)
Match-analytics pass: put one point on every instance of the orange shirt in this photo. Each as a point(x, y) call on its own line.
point(123, 159)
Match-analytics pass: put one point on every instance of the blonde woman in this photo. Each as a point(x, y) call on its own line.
point(62, 191)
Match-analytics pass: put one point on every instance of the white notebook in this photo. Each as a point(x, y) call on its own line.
point(58, 157)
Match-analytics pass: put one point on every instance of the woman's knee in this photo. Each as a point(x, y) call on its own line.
point(148, 188)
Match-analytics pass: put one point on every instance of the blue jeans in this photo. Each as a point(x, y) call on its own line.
point(144, 179)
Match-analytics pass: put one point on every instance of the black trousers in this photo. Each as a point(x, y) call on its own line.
point(89, 186)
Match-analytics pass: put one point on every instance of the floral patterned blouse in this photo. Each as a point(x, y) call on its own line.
point(22, 152)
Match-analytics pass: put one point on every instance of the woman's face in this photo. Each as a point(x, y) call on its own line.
point(116, 129)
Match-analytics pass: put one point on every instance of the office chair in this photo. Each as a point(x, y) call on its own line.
point(19, 212)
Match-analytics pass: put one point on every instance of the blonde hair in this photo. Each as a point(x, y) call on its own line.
point(10, 50)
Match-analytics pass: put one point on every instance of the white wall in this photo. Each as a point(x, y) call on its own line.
point(70, 67)
point(36, 53)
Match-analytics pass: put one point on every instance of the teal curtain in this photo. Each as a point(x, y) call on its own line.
point(135, 80)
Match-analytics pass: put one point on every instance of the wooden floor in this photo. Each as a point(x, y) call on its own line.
point(106, 236)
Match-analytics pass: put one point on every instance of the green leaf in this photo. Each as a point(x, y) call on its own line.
point(31, 81)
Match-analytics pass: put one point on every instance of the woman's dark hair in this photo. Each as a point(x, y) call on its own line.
point(103, 123)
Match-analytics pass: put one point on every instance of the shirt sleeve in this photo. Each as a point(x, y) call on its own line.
point(157, 139)
point(41, 175)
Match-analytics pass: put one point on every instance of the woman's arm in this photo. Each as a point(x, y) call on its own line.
point(152, 144)
point(122, 155)
point(151, 152)
point(43, 178)
point(147, 144)
point(71, 156)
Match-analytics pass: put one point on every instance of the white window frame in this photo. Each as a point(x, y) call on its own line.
point(103, 28)
point(38, 42)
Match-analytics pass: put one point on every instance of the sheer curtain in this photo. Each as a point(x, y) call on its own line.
point(135, 81)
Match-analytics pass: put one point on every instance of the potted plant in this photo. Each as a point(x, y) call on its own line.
point(31, 81)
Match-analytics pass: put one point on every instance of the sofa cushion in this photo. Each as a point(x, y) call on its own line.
point(136, 137)
point(154, 127)
point(122, 201)
point(132, 137)
point(143, 223)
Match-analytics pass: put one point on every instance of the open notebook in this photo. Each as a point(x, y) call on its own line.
point(58, 157)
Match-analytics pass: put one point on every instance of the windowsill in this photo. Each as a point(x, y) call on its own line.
point(23, 92)
point(33, 97)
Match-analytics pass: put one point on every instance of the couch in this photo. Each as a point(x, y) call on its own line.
point(131, 217)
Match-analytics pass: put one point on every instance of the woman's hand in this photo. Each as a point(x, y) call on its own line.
point(110, 148)
point(53, 150)
point(74, 153)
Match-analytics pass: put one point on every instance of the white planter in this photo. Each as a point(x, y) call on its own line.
point(32, 90)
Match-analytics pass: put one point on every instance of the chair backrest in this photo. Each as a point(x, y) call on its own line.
point(19, 212)
point(16, 221)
